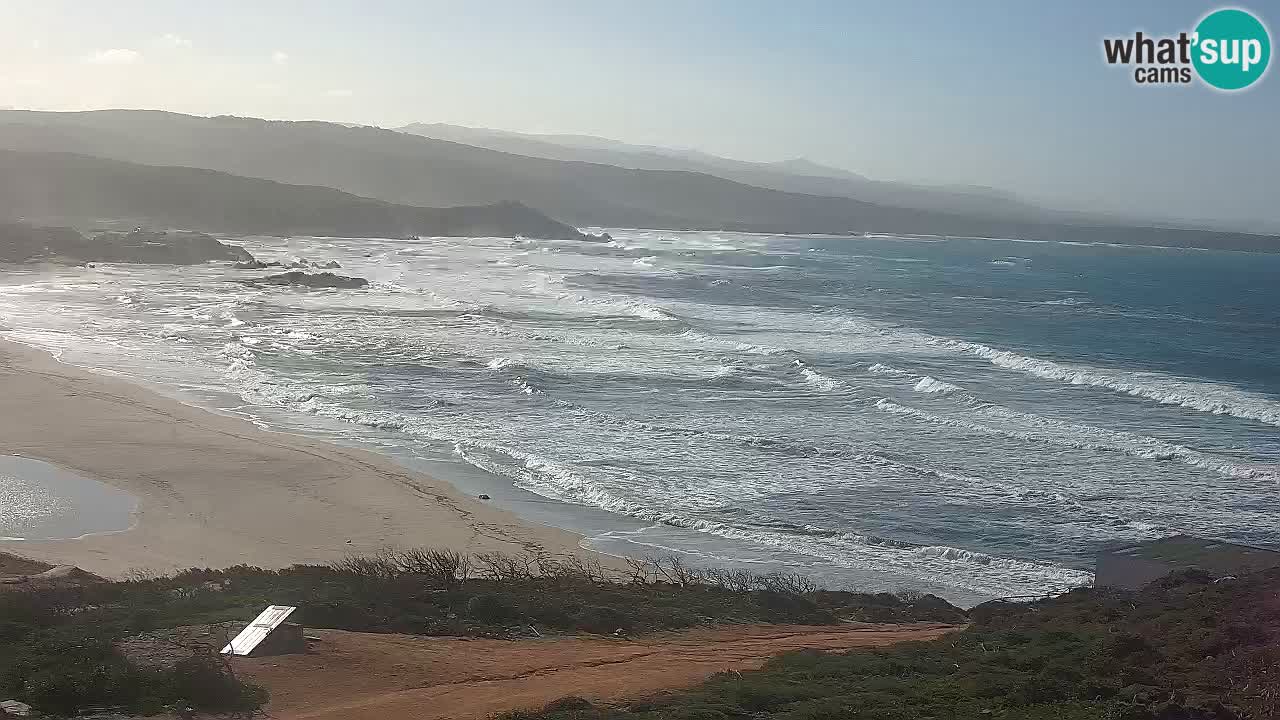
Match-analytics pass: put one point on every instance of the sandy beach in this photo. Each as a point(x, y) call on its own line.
point(215, 490)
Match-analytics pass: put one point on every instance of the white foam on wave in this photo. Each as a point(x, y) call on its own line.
point(932, 385)
point(1166, 390)
point(232, 320)
point(625, 306)
point(820, 381)
point(882, 369)
point(499, 363)
point(1202, 396)
point(815, 379)
point(526, 387)
point(955, 567)
point(649, 312)
point(755, 349)
point(720, 343)
point(256, 386)
point(923, 384)
point(723, 371)
point(995, 420)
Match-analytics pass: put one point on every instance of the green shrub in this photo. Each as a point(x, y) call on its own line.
point(1087, 655)
point(602, 619)
point(203, 682)
point(490, 608)
point(57, 645)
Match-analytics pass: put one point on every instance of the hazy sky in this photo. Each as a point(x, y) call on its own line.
point(1009, 94)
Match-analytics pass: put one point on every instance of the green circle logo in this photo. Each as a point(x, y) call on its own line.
point(1232, 49)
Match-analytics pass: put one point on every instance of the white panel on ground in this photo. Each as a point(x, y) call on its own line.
point(258, 630)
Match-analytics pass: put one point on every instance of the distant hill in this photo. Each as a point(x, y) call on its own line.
point(406, 169)
point(65, 187)
point(653, 157)
point(797, 175)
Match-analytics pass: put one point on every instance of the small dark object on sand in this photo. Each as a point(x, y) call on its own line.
point(482, 496)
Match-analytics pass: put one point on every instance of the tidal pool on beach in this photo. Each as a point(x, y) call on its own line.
point(39, 501)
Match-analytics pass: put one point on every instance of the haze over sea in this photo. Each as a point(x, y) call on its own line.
point(970, 417)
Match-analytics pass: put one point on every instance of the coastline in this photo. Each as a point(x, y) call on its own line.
point(215, 490)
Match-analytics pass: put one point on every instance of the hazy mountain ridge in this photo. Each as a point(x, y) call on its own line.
point(44, 186)
point(798, 175)
point(405, 169)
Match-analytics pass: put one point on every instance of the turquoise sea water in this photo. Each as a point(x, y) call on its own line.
point(974, 417)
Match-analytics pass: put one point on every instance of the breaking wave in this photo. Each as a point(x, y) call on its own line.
point(933, 385)
point(815, 379)
point(923, 384)
point(1204, 397)
point(972, 570)
point(992, 420)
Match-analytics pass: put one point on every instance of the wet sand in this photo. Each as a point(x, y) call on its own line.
point(215, 490)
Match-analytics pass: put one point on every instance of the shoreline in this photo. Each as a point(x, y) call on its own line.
point(214, 490)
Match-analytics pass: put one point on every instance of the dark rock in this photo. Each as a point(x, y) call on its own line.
point(326, 265)
point(178, 248)
point(482, 496)
point(26, 243)
point(601, 238)
point(297, 278)
point(255, 264)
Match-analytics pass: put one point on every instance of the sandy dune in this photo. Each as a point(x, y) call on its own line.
point(215, 491)
point(358, 676)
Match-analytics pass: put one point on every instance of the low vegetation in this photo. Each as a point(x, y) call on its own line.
point(62, 643)
point(1185, 648)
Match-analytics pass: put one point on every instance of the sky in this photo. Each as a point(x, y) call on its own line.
point(1011, 95)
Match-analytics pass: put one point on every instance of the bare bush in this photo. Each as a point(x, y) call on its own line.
point(381, 565)
point(786, 582)
point(573, 567)
point(446, 566)
point(639, 570)
point(733, 580)
point(672, 569)
point(500, 566)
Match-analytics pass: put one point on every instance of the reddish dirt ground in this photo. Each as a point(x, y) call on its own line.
point(359, 676)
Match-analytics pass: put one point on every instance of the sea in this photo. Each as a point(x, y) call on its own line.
point(972, 417)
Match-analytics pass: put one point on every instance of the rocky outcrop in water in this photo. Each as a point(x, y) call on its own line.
point(297, 264)
point(168, 248)
point(297, 278)
point(22, 243)
point(255, 264)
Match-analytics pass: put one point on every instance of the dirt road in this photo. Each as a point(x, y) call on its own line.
point(358, 676)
